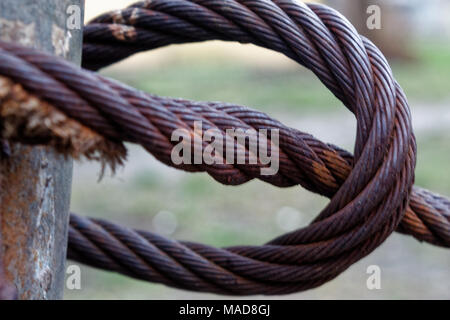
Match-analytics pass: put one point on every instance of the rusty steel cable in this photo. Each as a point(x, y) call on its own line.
point(316, 166)
point(371, 191)
point(146, 25)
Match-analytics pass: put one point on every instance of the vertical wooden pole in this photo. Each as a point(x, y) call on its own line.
point(36, 181)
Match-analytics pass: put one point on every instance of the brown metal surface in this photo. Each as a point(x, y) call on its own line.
point(371, 191)
point(35, 191)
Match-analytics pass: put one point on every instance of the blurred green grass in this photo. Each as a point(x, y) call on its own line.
point(428, 77)
point(294, 90)
point(433, 160)
point(235, 82)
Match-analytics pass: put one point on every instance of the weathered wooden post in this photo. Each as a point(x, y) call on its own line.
point(36, 181)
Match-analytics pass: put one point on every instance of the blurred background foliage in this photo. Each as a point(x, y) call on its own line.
point(148, 195)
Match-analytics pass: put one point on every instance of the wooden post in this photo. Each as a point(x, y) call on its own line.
point(36, 181)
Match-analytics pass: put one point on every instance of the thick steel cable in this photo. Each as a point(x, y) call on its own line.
point(369, 193)
point(304, 160)
point(147, 25)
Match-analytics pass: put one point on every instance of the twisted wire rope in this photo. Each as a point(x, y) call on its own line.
point(370, 192)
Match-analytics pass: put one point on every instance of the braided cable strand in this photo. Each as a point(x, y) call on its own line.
point(371, 192)
point(304, 160)
point(113, 36)
point(371, 201)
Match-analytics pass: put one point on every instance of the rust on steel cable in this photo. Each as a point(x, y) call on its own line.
point(371, 191)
